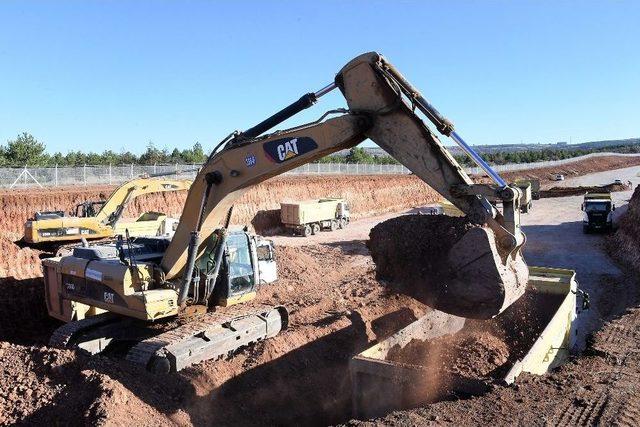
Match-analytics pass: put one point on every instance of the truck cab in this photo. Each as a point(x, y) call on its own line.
point(598, 212)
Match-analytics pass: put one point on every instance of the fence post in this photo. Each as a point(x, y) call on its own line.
point(176, 169)
point(109, 173)
point(154, 168)
point(131, 170)
point(84, 174)
point(56, 174)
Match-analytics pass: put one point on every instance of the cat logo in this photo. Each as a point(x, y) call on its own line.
point(288, 150)
point(281, 150)
point(109, 297)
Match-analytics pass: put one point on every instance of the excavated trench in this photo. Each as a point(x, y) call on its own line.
point(302, 376)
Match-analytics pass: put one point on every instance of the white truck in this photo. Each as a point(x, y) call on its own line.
point(310, 216)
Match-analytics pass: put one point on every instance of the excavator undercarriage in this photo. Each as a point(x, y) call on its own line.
point(192, 288)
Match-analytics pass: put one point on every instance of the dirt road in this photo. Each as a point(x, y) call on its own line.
point(555, 239)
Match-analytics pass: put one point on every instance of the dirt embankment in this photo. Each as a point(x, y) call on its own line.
point(583, 167)
point(624, 245)
point(259, 207)
point(578, 191)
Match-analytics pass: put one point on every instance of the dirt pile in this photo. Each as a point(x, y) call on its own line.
point(624, 245)
point(42, 384)
point(411, 252)
point(579, 168)
point(577, 191)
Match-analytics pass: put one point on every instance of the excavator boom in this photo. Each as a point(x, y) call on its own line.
point(210, 274)
point(381, 105)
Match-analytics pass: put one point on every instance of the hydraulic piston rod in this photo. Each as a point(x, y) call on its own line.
point(443, 125)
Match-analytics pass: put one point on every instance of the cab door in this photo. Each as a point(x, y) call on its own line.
point(267, 268)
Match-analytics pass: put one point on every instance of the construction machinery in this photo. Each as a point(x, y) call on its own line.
point(526, 196)
point(101, 219)
point(598, 210)
point(311, 216)
point(202, 274)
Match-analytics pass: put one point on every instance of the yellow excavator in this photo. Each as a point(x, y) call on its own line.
point(207, 275)
point(102, 219)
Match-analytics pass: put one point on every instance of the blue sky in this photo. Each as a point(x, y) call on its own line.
point(95, 75)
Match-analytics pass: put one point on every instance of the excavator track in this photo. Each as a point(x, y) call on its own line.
point(63, 336)
point(211, 336)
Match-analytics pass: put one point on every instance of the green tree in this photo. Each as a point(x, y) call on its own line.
point(358, 155)
point(25, 150)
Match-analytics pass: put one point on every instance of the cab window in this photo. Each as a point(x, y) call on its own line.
point(240, 267)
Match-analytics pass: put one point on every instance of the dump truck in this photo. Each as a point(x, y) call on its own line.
point(102, 219)
point(526, 189)
point(310, 216)
point(598, 210)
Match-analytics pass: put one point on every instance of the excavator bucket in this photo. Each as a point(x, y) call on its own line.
point(448, 263)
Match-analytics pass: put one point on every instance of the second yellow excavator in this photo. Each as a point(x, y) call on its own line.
point(100, 219)
point(206, 271)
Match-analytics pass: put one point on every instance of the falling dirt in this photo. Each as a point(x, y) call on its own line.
point(469, 354)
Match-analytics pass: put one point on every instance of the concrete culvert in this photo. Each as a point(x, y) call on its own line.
point(447, 263)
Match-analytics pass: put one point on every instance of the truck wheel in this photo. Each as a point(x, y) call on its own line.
point(342, 223)
point(334, 225)
point(315, 228)
point(306, 232)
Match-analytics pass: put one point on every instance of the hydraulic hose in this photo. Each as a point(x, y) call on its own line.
point(212, 178)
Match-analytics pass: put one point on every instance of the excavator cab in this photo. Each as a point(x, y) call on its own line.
point(237, 263)
point(89, 209)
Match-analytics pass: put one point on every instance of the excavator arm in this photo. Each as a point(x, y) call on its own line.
point(382, 107)
point(113, 208)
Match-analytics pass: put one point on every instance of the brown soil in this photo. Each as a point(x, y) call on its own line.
point(411, 252)
point(259, 207)
point(624, 245)
point(599, 388)
point(469, 354)
point(579, 168)
point(338, 309)
point(577, 191)
point(17, 262)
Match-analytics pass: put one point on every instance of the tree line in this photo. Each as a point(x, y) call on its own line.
point(25, 149)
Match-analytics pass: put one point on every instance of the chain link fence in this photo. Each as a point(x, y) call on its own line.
point(29, 177)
